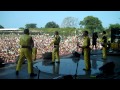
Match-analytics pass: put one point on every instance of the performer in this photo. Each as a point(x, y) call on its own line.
point(86, 49)
point(104, 45)
point(55, 53)
point(27, 44)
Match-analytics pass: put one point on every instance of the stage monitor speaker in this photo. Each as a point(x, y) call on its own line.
point(47, 56)
point(108, 68)
point(68, 77)
point(76, 54)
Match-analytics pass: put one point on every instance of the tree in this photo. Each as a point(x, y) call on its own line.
point(32, 25)
point(114, 26)
point(1, 26)
point(70, 22)
point(92, 23)
point(21, 28)
point(51, 25)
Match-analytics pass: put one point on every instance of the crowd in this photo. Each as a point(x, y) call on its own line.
point(9, 45)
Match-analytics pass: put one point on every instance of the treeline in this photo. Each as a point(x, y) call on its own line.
point(72, 26)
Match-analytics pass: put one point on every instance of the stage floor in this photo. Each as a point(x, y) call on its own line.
point(68, 66)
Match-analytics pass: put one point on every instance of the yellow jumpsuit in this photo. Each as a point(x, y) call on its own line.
point(85, 46)
point(25, 40)
point(104, 48)
point(34, 53)
point(55, 53)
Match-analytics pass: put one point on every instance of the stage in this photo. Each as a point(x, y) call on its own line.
point(68, 66)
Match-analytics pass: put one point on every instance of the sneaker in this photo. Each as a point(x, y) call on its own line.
point(17, 72)
point(52, 62)
point(33, 75)
point(86, 69)
point(57, 61)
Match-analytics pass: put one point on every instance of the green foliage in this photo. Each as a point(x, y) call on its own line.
point(1, 26)
point(108, 32)
point(91, 23)
point(62, 31)
point(21, 28)
point(51, 25)
point(32, 25)
point(114, 26)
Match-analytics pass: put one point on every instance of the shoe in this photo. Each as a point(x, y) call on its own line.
point(86, 69)
point(52, 62)
point(57, 61)
point(33, 75)
point(17, 72)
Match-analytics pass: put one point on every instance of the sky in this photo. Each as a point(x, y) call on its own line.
point(17, 19)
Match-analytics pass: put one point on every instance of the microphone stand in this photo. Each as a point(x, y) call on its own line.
point(76, 60)
point(38, 71)
point(76, 71)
